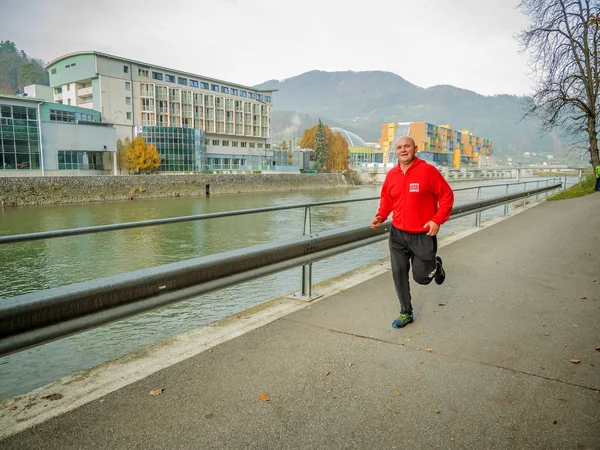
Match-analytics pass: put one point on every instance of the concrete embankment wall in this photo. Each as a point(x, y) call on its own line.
point(26, 191)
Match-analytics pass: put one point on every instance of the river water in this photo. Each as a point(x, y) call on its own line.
point(31, 266)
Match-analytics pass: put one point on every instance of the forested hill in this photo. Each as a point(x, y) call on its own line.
point(362, 101)
point(18, 70)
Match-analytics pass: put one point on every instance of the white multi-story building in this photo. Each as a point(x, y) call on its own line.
point(197, 123)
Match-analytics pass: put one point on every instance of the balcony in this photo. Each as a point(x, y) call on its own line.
point(85, 92)
point(58, 97)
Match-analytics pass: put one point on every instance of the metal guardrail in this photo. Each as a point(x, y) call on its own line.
point(36, 318)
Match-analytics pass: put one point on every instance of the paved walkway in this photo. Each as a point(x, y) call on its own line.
point(486, 365)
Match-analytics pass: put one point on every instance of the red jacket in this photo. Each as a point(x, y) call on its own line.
point(415, 198)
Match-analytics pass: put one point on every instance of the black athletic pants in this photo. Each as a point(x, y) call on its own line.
point(418, 249)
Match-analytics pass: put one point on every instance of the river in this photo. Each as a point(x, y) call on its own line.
point(31, 266)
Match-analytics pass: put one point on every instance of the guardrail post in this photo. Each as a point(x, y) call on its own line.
point(565, 183)
point(506, 204)
point(306, 269)
point(524, 198)
point(478, 214)
point(537, 196)
point(306, 293)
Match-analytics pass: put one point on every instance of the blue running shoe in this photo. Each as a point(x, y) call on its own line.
point(403, 320)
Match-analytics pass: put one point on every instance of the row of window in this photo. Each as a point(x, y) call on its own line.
point(18, 112)
point(226, 143)
point(69, 116)
point(159, 76)
point(74, 160)
point(11, 161)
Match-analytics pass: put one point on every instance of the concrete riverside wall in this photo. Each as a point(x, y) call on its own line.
point(31, 191)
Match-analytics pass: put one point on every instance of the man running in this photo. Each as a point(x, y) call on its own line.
point(421, 200)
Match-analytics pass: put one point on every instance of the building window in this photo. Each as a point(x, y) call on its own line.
point(215, 87)
point(125, 69)
point(225, 143)
point(215, 142)
point(53, 71)
point(250, 94)
point(259, 145)
point(259, 97)
point(204, 85)
point(182, 81)
point(193, 83)
point(170, 78)
point(234, 91)
point(242, 93)
point(128, 100)
point(243, 144)
point(157, 76)
point(267, 99)
point(58, 90)
point(234, 143)
point(252, 145)
point(224, 90)
point(143, 72)
point(128, 116)
point(128, 85)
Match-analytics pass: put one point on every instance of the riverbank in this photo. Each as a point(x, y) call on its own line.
point(35, 191)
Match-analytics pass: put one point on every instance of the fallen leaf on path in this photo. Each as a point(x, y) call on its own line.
point(326, 372)
point(598, 349)
point(452, 438)
point(264, 397)
point(398, 392)
point(53, 397)
point(441, 304)
point(582, 297)
point(157, 391)
point(429, 350)
point(437, 411)
point(12, 407)
point(575, 361)
point(408, 339)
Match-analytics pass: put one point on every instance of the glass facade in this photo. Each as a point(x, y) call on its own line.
point(19, 138)
point(79, 160)
point(180, 149)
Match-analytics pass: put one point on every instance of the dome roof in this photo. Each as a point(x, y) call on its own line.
point(352, 139)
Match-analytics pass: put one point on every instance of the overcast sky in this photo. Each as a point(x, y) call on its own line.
point(465, 43)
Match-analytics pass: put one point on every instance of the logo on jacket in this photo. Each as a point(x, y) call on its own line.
point(414, 187)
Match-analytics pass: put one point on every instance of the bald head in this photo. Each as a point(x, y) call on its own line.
point(404, 137)
point(405, 150)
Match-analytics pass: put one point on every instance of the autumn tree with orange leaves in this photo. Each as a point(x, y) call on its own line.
point(335, 158)
point(141, 157)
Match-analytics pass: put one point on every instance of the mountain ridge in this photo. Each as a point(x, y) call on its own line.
point(363, 101)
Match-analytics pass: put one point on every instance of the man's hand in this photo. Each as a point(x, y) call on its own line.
point(433, 228)
point(376, 222)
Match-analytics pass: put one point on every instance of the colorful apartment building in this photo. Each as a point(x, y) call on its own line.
point(439, 144)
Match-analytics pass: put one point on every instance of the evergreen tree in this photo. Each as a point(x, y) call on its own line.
point(321, 148)
point(18, 70)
